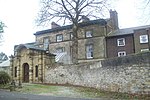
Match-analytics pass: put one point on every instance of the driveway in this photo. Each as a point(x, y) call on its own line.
point(6, 95)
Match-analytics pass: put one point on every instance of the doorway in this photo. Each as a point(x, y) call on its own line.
point(26, 72)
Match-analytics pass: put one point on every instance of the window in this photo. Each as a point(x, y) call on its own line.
point(60, 50)
point(15, 71)
point(121, 53)
point(89, 51)
point(144, 39)
point(71, 35)
point(144, 50)
point(46, 43)
point(88, 33)
point(59, 38)
point(36, 71)
point(121, 42)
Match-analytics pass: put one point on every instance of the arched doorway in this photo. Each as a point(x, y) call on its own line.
point(25, 72)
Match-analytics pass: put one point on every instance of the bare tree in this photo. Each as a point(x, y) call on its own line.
point(72, 11)
point(2, 25)
point(143, 7)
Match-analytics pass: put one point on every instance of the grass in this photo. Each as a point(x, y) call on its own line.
point(6, 86)
point(94, 93)
point(75, 91)
point(37, 88)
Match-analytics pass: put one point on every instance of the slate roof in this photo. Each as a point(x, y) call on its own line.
point(83, 24)
point(29, 46)
point(126, 31)
point(32, 46)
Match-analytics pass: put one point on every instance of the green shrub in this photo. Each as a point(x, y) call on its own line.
point(4, 78)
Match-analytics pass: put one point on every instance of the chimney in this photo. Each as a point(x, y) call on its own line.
point(114, 19)
point(85, 18)
point(54, 25)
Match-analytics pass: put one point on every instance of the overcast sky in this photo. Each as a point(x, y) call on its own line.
point(19, 16)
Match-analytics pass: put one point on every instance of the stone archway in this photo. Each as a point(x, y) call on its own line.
point(25, 72)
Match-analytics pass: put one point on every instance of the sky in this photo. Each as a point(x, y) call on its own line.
point(19, 17)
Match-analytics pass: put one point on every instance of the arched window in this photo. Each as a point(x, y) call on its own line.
point(15, 71)
point(36, 71)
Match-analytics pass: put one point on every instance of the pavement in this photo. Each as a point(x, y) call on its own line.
point(7, 95)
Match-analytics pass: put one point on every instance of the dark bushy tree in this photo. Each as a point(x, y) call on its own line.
point(4, 78)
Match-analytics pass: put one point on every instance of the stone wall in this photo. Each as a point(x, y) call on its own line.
point(128, 74)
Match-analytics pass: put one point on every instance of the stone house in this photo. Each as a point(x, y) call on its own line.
point(31, 60)
point(127, 41)
point(91, 39)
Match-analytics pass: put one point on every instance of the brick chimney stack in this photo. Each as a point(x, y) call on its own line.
point(54, 25)
point(114, 19)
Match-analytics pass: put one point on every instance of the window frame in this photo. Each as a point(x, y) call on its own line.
point(46, 45)
point(90, 51)
point(60, 48)
point(118, 42)
point(122, 52)
point(36, 71)
point(70, 35)
point(57, 39)
point(146, 37)
point(15, 71)
point(87, 34)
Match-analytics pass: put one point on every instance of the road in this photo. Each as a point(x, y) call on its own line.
point(6, 95)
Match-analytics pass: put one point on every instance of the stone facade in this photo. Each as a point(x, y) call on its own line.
point(91, 39)
point(97, 39)
point(29, 64)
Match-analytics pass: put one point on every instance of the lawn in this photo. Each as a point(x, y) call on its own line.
point(76, 91)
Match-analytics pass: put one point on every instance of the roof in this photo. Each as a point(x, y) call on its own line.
point(32, 46)
point(83, 24)
point(127, 31)
point(5, 63)
point(29, 46)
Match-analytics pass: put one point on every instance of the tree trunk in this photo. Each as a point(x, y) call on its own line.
point(75, 44)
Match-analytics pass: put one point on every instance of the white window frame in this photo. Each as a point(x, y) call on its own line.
point(59, 38)
point(121, 54)
point(143, 38)
point(89, 51)
point(123, 42)
point(88, 33)
point(71, 35)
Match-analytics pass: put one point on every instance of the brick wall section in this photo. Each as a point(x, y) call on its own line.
point(113, 48)
point(119, 75)
point(139, 46)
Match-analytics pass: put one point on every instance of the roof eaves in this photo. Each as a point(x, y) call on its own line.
point(83, 24)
